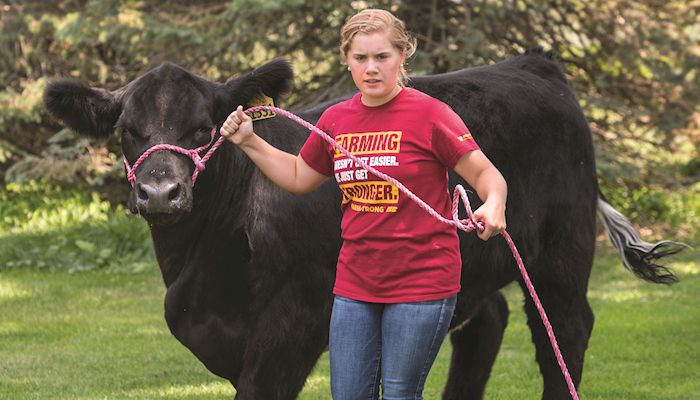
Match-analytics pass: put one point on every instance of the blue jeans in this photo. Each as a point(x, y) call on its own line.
point(392, 343)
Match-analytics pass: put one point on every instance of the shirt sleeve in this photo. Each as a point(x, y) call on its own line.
point(451, 138)
point(316, 152)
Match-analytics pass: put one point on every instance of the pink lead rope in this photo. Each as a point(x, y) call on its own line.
point(466, 225)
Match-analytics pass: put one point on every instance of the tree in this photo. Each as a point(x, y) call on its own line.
point(633, 65)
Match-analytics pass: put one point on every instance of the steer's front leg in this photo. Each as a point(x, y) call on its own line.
point(286, 341)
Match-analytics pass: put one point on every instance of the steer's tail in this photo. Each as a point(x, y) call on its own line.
point(637, 255)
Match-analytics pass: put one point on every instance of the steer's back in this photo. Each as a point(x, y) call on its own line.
point(528, 122)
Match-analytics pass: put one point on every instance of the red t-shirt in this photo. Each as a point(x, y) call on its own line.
point(393, 251)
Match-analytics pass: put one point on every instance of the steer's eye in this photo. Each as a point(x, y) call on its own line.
point(133, 134)
point(202, 135)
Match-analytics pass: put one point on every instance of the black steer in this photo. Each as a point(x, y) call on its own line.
point(249, 268)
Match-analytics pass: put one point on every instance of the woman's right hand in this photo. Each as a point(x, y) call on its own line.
point(238, 127)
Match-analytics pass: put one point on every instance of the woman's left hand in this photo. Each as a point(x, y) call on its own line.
point(483, 176)
point(492, 215)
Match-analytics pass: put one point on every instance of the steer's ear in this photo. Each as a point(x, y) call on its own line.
point(88, 111)
point(272, 80)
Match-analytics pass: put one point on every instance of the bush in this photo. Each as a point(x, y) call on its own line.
point(673, 214)
point(53, 227)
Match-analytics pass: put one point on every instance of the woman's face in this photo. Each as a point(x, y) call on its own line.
point(374, 63)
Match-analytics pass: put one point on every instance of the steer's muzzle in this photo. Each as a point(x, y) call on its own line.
point(162, 192)
point(158, 196)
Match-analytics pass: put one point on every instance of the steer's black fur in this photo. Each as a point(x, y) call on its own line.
point(249, 268)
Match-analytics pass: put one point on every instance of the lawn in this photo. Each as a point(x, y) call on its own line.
point(81, 317)
point(101, 335)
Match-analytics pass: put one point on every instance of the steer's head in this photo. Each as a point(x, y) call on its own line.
point(166, 105)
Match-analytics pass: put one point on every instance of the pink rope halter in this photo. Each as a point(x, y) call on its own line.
point(466, 225)
point(193, 154)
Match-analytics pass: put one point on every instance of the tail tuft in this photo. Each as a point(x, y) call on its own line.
point(637, 255)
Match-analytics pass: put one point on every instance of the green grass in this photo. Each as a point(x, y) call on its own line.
point(646, 343)
point(81, 317)
point(101, 335)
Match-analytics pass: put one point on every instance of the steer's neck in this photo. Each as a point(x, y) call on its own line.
point(215, 222)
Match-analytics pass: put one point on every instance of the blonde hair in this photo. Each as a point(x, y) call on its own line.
point(375, 20)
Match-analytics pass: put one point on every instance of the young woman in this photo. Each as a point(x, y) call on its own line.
point(398, 270)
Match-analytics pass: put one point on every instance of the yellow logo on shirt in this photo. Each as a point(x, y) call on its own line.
point(465, 137)
point(370, 192)
point(369, 143)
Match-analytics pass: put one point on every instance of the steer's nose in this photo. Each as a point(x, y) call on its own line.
point(158, 196)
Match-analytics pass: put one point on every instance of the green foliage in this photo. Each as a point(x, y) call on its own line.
point(50, 227)
point(675, 213)
point(67, 158)
point(633, 66)
point(23, 105)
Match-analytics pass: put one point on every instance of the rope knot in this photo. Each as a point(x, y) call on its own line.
point(131, 176)
point(197, 160)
